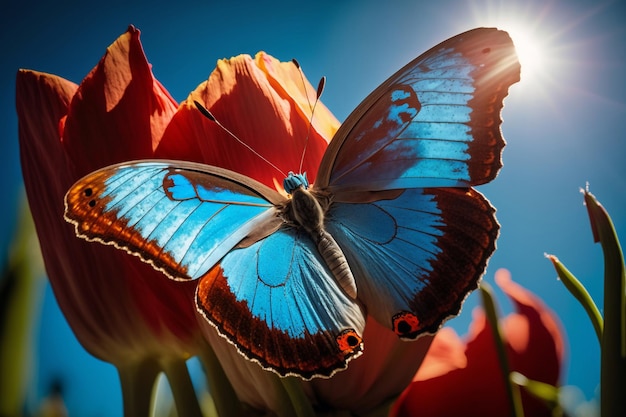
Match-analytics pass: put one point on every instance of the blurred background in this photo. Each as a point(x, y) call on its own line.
point(562, 123)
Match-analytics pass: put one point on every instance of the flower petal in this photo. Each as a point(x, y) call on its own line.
point(381, 373)
point(386, 367)
point(533, 332)
point(446, 353)
point(287, 77)
point(120, 110)
point(253, 385)
point(118, 307)
point(38, 129)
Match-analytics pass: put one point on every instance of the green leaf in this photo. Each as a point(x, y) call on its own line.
point(545, 392)
point(613, 359)
point(577, 289)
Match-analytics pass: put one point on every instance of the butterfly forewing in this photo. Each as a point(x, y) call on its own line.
point(274, 298)
point(178, 217)
point(435, 123)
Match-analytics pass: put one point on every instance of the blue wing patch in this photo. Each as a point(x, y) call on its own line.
point(181, 220)
point(277, 301)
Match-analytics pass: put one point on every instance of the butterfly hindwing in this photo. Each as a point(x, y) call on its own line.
point(277, 301)
point(435, 123)
point(417, 256)
point(416, 251)
point(180, 217)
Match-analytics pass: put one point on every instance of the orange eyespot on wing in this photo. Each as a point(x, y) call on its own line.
point(349, 342)
point(405, 324)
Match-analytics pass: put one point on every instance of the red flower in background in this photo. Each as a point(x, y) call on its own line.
point(464, 377)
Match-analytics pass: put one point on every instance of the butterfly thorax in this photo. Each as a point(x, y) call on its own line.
point(307, 209)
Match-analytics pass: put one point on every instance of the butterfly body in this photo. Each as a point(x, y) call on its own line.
point(390, 228)
point(307, 210)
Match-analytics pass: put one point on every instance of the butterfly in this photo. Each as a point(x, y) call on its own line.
point(391, 227)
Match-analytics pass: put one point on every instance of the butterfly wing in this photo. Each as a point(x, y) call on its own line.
point(180, 217)
point(426, 252)
point(435, 123)
point(263, 286)
point(417, 251)
point(278, 303)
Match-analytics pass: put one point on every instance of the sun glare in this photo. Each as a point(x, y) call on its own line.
point(530, 30)
point(529, 50)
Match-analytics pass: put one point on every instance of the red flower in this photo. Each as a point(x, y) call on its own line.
point(121, 310)
point(464, 377)
point(263, 102)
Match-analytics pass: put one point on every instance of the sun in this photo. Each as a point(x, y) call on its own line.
point(529, 30)
point(530, 51)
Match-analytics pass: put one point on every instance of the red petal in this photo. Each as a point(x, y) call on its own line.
point(533, 332)
point(286, 77)
point(120, 111)
point(385, 368)
point(446, 353)
point(252, 106)
point(534, 346)
point(118, 307)
point(41, 102)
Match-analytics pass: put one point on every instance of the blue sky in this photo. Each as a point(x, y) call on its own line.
point(562, 123)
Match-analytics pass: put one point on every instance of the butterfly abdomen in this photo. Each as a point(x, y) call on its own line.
point(336, 261)
point(308, 213)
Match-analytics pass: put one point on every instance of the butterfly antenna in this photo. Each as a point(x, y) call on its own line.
point(206, 113)
point(320, 89)
point(297, 64)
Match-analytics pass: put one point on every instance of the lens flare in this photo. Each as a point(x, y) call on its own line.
point(530, 51)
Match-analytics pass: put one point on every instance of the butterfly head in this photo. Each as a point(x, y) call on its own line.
point(295, 181)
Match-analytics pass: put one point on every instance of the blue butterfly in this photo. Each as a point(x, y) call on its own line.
point(391, 228)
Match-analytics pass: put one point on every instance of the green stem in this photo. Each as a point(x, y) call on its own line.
point(613, 356)
point(137, 379)
point(512, 392)
point(224, 397)
point(580, 293)
point(300, 402)
point(21, 288)
point(290, 401)
point(183, 391)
